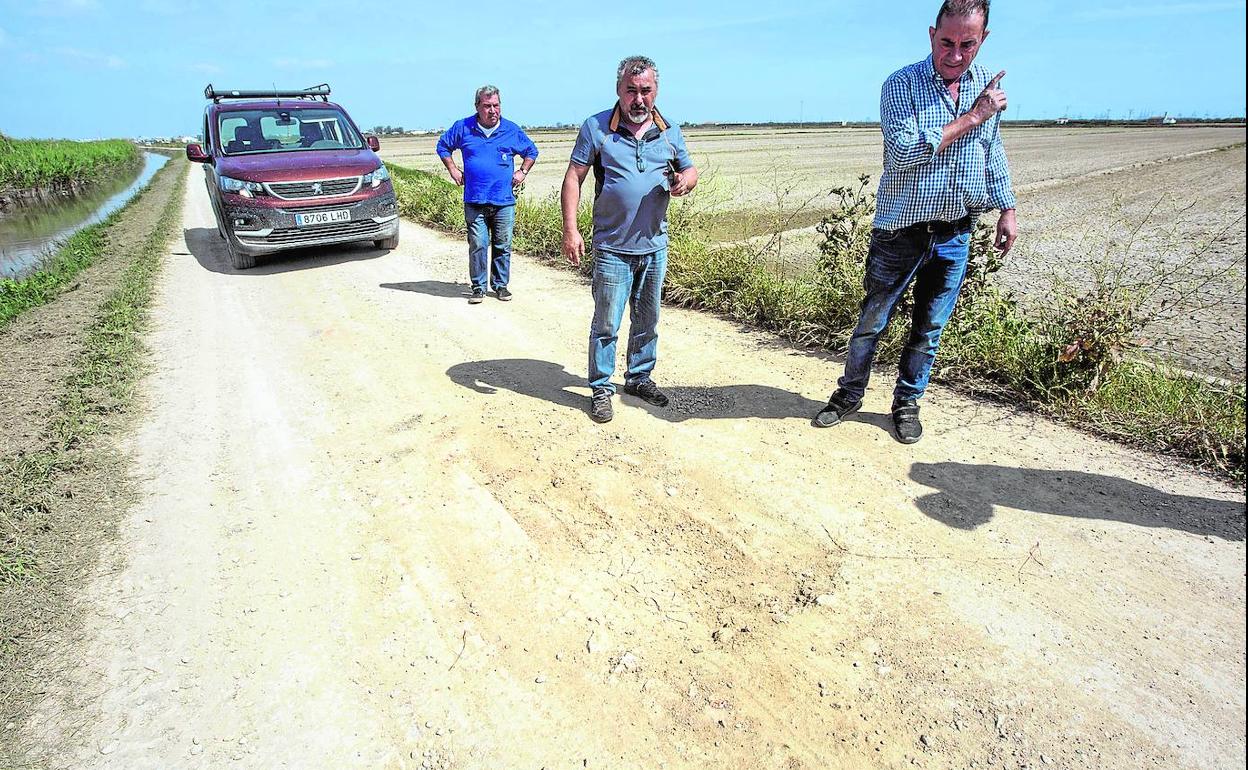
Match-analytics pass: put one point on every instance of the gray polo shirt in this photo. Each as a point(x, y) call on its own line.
point(631, 191)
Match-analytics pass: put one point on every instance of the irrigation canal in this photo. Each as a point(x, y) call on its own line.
point(31, 231)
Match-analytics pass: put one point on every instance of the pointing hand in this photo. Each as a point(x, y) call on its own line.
point(991, 101)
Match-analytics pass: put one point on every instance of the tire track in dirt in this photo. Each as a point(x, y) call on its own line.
point(379, 530)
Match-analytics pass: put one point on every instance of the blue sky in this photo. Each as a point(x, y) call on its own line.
point(97, 68)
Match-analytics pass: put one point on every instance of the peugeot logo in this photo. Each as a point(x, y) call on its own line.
point(317, 189)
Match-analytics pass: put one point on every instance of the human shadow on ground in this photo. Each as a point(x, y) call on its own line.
point(209, 250)
point(550, 382)
point(432, 288)
point(968, 492)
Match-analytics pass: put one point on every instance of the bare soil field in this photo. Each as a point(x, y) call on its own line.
point(1184, 203)
point(1078, 189)
point(376, 529)
point(745, 164)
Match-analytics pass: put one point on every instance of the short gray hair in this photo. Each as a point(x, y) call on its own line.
point(963, 9)
point(635, 65)
point(484, 92)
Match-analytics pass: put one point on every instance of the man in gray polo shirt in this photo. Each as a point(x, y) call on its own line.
point(639, 161)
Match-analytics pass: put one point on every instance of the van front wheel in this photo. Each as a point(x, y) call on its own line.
point(239, 259)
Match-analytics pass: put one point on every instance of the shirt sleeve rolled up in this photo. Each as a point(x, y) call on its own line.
point(448, 142)
point(905, 144)
point(1000, 187)
point(525, 147)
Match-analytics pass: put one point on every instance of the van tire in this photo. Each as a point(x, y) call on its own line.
point(239, 259)
point(388, 244)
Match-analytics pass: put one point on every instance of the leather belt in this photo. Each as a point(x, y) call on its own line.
point(937, 227)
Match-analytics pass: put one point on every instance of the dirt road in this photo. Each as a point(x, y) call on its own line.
point(378, 530)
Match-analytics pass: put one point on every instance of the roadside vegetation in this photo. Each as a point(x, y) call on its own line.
point(1075, 355)
point(46, 164)
point(79, 252)
point(60, 489)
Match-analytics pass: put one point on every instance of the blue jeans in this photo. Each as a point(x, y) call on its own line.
point(489, 225)
point(936, 263)
point(635, 279)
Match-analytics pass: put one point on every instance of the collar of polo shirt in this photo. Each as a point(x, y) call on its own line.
point(617, 115)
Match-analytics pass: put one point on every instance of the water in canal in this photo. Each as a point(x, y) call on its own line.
point(31, 231)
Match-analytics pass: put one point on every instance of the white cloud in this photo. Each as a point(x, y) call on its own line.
point(1148, 11)
point(90, 58)
point(288, 63)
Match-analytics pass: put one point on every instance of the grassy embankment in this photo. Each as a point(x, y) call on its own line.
point(29, 164)
point(32, 164)
point(1072, 359)
point(101, 378)
point(62, 490)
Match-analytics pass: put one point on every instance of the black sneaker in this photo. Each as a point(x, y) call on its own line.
point(503, 294)
point(839, 407)
point(647, 391)
point(906, 426)
point(600, 406)
point(477, 297)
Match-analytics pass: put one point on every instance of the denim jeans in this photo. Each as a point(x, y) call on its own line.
point(936, 263)
point(489, 225)
point(635, 279)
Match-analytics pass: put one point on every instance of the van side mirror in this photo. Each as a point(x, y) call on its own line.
point(195, 154)
point(373, 144)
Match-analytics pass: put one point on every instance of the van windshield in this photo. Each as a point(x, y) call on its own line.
point(247, 132)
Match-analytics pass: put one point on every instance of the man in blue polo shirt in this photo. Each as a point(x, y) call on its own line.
point(488, 144)
point(639, 161)
point(944, 165)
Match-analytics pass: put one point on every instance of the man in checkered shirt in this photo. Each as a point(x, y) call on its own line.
point(943, 166)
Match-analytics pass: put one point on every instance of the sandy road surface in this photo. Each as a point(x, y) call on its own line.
point(378, 531)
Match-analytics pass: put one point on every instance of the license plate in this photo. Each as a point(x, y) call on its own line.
point(322, 217)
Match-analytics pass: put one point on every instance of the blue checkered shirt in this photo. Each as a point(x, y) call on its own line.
point(919, 185)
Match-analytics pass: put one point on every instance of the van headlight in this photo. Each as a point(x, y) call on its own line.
point(239, 186)
point(375, 178)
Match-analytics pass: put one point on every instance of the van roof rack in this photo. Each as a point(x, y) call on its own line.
point(321, 91)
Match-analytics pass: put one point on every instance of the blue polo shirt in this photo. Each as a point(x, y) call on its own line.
point(489, 161)
point(631, 191)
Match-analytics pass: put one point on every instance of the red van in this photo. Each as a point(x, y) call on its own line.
point(289, 169)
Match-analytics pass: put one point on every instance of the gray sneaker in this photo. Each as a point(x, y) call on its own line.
point(600, 406)
point(477, 297)
point(503, 294)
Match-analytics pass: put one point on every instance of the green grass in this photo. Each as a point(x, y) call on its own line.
point(101, 384)
point(80, 251)
point(989, 347)
point(43, 163)
point(428, 198)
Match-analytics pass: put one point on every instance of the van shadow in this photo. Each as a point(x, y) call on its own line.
point(967, 494)
point(432, 288)
point(209, 250)
point(550, 382)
